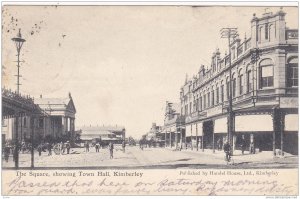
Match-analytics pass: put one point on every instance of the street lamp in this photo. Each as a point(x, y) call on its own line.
point(19, 41)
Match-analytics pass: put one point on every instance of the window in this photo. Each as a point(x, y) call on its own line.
point(233, 52)
point(241, 83)
point(41, 122)
point(292, 72)
point(227, 87)
point(217, 95)
point(266, 31)
point(233, 86)
point(272, 33)
point(208, 99)
point(222, 93)
point(212, 98)
point(204, 103)
point(266, 71)
point(25, 122)
point(190, 107)
point(200, 103)
point(249, 81)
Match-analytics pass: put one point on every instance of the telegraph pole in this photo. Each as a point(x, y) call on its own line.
point(229, 33)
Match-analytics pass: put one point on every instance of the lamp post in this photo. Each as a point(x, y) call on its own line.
point(19, 41)
point(229, 33)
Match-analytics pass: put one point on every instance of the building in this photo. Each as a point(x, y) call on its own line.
point(155, 137)
point(264, 82)
point(106, 134)
point(56, 124)
point(174, 126)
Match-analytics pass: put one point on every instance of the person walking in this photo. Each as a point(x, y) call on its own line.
point(227, 149)
point(6, 152)
point(243, 144)
point(49, 147)
point(68, 146)
point(97, 146)
point(123, 146)
point(87, 147)
point(219, 143)
point(39, 148)
point(62, 148)
point(111, 150)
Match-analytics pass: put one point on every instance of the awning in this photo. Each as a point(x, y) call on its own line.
point(193, 129)
point(173, 129)
point(253, 123)
point(291, 122)
point(188, 130)
point(221, 125)
point(200, 128)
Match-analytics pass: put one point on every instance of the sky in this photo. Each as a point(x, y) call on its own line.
point(120, 63)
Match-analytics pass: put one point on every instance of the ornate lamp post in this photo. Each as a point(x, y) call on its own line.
point(255, 56)
point(19, 41)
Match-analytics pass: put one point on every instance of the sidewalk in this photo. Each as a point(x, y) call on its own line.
point(260, 157)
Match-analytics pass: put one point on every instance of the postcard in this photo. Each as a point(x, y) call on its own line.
point(145, 99)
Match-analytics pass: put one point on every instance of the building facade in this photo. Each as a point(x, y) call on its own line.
point(57, 122)
point(174, 126)
point(264, 83)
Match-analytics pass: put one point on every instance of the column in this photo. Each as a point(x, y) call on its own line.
point(170, 139)
point(197, 136)
point(32, 122)
point(176, 139)
point(191, 136)
point(273, 114)
point(16, 151)
point(213, 126)
point(165, 138)
point(282, 118)
point(202, 140)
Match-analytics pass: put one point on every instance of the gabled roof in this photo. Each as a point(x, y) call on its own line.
point(56, 103)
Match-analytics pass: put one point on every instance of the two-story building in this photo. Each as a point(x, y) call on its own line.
point(264, 83)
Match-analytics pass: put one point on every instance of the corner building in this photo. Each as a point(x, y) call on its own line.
point(264, 80)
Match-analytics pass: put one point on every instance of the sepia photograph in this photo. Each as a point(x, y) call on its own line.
point(134, 91)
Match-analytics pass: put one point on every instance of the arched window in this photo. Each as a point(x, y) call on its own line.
point(249, 79)
point(212, 96)
point(204, 101)
point(266, 73)
point(292, 72)
point(233, 86)
point(241, 81)
point(272, 33)
point(227, 87)
point(200, 103)
point(260, 34)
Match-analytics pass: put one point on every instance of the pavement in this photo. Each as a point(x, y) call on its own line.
point(135, 158)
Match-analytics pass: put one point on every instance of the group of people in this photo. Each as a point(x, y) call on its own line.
point(98, 146)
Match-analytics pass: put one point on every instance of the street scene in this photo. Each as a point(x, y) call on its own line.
point(149, 87)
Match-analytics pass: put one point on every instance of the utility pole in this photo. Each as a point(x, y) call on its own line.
point(229, 33)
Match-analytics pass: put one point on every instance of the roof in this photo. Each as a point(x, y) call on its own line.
point(55, 103)
point(102, 128)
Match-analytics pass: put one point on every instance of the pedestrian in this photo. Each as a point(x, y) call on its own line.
point(243, 144)
point(227, 149)
point(123, 146)
point(97, 146)
point(39, 148)
point(219, 143)
point(49, 147)
point(68, 146)
point(62, 148)
point(6, 152)
point(111, 150)
point(252, 149)
point(87, 147)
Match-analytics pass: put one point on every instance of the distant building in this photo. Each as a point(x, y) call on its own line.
point(264, 84)
point(106, 134)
